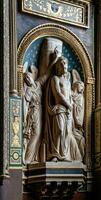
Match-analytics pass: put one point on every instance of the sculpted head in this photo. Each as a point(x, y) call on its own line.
point(61, 66)
point(34, 72)
point(31, 75)
point(78, 86)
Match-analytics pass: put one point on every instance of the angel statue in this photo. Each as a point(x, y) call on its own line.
point(33, 113)
point(78, 110)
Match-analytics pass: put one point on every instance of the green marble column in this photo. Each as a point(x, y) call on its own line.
point(4, 85)
point(13, 48)
point(15, 105)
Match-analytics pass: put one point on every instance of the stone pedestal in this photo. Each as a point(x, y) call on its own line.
point(53, 180)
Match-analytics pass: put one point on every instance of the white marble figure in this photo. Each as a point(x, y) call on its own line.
point(53, 109)
point(78, 110)
point(33, 116)
point(60, 140)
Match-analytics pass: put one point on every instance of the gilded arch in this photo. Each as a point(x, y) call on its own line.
point(63, 33)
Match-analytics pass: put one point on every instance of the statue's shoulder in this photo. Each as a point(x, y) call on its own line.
point(68, 75)
point(55, 79)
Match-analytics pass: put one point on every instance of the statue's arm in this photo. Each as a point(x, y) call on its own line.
point(28, 94)
point(43, 79)
point(54, 58)
point(57, 92)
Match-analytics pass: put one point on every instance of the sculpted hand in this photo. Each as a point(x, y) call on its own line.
point(53, 57)
point(27, 79)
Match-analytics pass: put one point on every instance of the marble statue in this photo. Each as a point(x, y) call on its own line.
point(33, 96)
point(53, 109)
point(78, 110)
point(61, 142)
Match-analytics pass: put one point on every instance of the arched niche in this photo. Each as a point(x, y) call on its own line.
point(87, 73)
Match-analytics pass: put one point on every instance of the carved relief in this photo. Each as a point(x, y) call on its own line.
point(67, 11)
point(15, 128)
point(60, 133)
point(56, 100)
point(63, 108)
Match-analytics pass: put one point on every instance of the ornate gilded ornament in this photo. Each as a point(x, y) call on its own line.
point(76, 13)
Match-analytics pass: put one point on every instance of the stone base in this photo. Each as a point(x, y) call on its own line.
point(53, 179)
point(54, 171)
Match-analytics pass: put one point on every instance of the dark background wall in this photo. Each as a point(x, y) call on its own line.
point(12, 187)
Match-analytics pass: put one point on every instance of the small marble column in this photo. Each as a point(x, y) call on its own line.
point(4, 86)
point(13, 48)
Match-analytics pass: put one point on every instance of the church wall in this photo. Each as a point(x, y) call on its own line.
point(12, 187)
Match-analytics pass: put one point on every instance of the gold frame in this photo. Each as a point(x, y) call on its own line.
point(59, 31)
point(79, 3)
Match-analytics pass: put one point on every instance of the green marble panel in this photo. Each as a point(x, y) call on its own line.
point(15, 132)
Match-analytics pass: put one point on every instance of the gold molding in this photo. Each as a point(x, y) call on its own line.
point(90, 80)
point(59, 31)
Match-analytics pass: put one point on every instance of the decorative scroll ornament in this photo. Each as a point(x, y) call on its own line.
point(76, 13)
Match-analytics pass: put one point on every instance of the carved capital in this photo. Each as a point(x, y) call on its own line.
point(90, 80)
